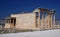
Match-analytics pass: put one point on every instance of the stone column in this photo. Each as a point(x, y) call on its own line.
point(43, 20)
point(54, 20)
point(10, 22)
point(50, 20)
point(46, 21)
point(49, 23)
point(39, 19)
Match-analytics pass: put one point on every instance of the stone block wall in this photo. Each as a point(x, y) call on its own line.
point(25, 20)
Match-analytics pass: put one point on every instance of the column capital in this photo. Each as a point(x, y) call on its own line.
point(50, 13)
point(42, 9)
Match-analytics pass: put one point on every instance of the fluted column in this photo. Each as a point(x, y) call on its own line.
point(54, 20)
point(46, 21)
point(10, 22)
point(39, 19)
point(43, 21)
point(53, 11)
point(50, 20)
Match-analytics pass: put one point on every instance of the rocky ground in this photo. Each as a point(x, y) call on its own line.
point(13, 30)
point(4, 30)
point(46, 33)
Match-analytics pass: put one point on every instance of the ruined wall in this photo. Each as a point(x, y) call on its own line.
point(25, 20)
point(7, 25)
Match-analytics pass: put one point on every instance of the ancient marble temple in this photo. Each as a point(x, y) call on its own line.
point(40, 18)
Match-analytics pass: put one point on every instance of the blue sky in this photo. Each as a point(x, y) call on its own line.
point(8, 7)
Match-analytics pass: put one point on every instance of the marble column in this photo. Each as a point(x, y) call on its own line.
point(54, 20)
point(50, 20)
point(39, 19)
point(43, 26)
point(46, 21)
